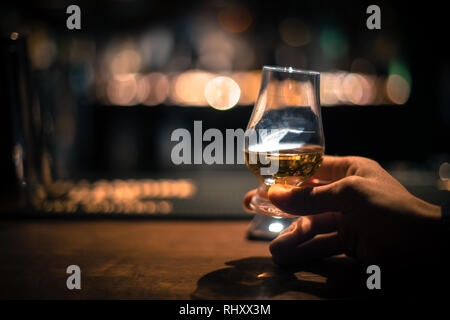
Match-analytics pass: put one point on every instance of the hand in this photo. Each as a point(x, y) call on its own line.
point(363, 212)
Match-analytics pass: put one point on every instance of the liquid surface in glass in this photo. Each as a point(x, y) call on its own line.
point(295, 165)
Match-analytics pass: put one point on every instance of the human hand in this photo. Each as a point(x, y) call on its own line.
point(363, 212)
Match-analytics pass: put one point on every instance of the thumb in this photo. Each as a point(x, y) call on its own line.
point(336, 196)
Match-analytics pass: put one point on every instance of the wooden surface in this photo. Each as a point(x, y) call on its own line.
point(142, 259)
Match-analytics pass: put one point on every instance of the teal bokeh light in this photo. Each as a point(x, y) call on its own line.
point(333, 42)
point(400, 68)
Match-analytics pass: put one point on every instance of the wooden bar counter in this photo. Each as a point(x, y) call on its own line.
point(147, 259)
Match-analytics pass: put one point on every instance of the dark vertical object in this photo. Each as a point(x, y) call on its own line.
point(16, 123)
point(8, 182)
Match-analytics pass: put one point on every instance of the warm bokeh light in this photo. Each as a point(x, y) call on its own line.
point(249, 83)
point(329, 87)
point(43, 49)
point(369, 89)
point(294, 32)
point(347, 88)
point(444, 171)
point(127, 60)
point(444, 176)
point(145, 196)
point(397, 89)
point(150, 67)
point(142, 88)
point(353, 89)
point(14, 36)
point(153, 89)
point(188, 87)
point(198, 88)
point(222, 93)
point(235, 18)
point(122, 89)
point(340, 94)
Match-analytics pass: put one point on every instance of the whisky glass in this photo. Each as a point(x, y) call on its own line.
point(284, 141)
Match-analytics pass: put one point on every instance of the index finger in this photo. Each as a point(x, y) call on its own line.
point(333, 168)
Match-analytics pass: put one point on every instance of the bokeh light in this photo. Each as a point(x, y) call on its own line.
point(188, 87)
point(155, 89)
point(276, 227)
point(353, 89)
point(333, 42)
point(121, 90)
point(222, 93)
point(235, 18)
point(249, 83)
point(294, 32)
point(198, 88)
point(126, 61)
point(14, 36)
point(397, 89)
point(145, 196)
point(444, 171)
point(43, 49)
point(401, 69)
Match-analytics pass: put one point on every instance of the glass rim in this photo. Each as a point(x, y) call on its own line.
point(291, 70)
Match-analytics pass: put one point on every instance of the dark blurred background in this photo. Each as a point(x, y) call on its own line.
point(104, 100)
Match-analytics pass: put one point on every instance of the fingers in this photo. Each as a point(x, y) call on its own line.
point(302, 230)
point(321, 246)
point(247, 199)
point(336, 196)
point(333, 168)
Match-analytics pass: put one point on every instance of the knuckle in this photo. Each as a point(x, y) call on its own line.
point(350, 182)
point(360, 165)
point(353, 164)
point(304, 223)
point(370, 163)
point(352, 185)
point(374, 162)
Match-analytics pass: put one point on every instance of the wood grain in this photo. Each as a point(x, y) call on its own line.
point(122, 259)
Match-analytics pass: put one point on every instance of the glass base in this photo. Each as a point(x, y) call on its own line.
point(267, 228)
point(260, 203)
